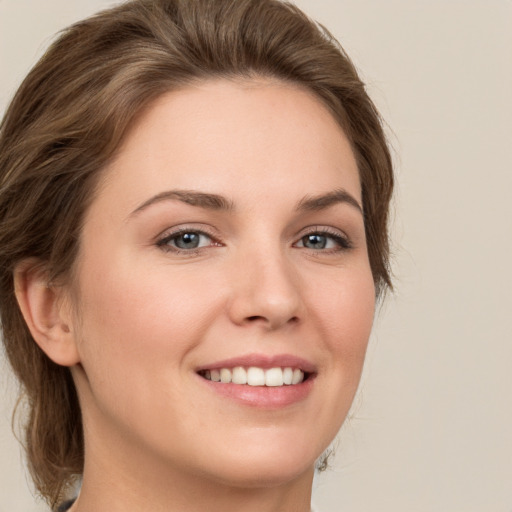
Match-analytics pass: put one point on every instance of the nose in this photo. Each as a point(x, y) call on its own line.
point(265, 290)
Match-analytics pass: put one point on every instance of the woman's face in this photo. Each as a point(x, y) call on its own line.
point(227, 234)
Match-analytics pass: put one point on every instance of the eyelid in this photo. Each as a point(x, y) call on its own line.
point(344, 241)
point(163, 238)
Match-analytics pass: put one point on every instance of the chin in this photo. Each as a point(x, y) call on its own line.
point(265, 466)
point(268, 475)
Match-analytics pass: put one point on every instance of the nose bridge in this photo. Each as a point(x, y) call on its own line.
point(265, 287)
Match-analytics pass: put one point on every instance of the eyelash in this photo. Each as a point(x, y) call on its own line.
point(342, 242)
point(164, 242)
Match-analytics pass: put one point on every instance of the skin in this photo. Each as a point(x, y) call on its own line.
point(140, 317)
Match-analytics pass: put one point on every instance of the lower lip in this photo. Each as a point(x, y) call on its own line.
point(265, 397)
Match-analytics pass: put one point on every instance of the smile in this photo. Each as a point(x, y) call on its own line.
point(255, 376)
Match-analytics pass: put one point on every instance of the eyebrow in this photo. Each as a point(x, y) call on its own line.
point(324, 201)
point(217, 202)
point(191, 197)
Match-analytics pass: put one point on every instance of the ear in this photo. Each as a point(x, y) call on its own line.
point(47, 312)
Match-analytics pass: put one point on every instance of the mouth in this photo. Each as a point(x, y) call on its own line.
point(261, 380)
point(256, 376)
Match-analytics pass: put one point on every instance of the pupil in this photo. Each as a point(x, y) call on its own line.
point(187, 241)
point(315, 241)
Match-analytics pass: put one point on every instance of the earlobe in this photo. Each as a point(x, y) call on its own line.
point(46, 311)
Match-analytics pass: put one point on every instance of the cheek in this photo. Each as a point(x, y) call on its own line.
point(136, 330)
point(344, 315)
point(133, 320)
point(346, 311)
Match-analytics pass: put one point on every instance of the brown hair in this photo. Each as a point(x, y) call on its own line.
point(69, 117)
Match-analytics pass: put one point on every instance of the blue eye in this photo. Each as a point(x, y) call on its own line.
point(315, 241)
point(186, 240)
point(321, 241)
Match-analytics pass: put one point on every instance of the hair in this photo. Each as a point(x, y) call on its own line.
point(70, 115)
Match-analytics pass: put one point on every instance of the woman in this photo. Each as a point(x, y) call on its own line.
point(194, 201)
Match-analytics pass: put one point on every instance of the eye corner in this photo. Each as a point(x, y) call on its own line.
point(324, 240)
point(186, 240)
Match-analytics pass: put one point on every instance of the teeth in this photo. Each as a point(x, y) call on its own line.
point(274, 377)
point(225, 375)
point(287, 376)
point(298, 376)
point(254, 376)
point(239, 375)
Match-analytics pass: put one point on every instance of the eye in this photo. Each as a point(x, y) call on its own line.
point(322, 240)
point(185, 240)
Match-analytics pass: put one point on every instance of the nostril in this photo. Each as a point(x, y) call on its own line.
point(255, 318)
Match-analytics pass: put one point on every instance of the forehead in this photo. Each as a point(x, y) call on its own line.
point(231, 137)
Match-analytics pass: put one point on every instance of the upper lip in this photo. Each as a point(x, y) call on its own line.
point(262, 361)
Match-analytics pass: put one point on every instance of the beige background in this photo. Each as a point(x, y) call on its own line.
point(432, 426)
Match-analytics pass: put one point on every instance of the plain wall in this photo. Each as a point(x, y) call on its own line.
point(431, 429)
